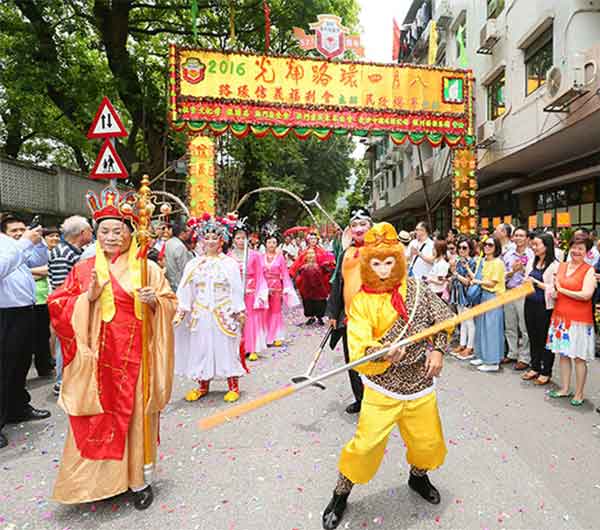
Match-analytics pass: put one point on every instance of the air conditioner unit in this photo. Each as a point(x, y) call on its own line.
point(486, 134)
point(488, 37)
point(566, 84)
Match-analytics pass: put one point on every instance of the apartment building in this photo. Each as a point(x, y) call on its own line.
point(537, 112)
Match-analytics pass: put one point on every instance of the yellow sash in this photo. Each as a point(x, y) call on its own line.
point(107, 299)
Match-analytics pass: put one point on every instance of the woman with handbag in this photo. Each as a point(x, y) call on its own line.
point(489, 327)
point(538, 308)
point(458, 297)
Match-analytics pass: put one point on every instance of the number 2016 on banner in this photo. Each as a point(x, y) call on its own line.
point(225, 67)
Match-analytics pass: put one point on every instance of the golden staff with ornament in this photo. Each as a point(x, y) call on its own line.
point(143, 231)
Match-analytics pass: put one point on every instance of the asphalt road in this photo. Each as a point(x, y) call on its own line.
point(516, 459)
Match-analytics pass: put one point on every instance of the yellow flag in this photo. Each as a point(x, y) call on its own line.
point(433, 42)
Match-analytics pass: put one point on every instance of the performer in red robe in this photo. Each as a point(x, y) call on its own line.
point(97, 317)
point(313, 279)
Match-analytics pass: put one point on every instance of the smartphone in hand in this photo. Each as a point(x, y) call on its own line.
point(35, 222)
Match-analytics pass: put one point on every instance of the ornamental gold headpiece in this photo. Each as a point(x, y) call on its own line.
point(112, 204)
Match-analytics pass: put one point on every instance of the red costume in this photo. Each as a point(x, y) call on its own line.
point(313, 280)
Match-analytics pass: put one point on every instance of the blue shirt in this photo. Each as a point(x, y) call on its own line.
point(17, 286)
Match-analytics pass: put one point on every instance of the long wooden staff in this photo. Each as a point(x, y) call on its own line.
point(143, 235)
point(494, 303)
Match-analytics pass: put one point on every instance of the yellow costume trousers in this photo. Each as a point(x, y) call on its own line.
point(418, 421)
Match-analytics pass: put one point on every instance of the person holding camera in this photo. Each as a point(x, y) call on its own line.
point(21, 249)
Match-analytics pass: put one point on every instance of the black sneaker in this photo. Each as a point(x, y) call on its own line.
point(310, 321)
point(424, 488)
point(320, 322)
point(56, 389)
point(332, 516)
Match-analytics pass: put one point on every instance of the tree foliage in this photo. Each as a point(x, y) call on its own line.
point(57, 59)
point(357, 195)
point(303, 167)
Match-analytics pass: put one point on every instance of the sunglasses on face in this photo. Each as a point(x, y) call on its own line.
point(464, 247)
point(490, 245)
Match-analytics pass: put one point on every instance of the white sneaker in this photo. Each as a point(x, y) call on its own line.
point(489, 368)
point(476, 362)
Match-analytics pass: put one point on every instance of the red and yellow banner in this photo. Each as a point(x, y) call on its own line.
point(201, 171)
point(308, 92)
point(464, 186)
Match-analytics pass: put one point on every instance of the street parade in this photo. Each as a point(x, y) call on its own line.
point(299, 265)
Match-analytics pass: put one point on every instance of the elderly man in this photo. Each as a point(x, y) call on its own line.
point(20, 250)
point(177, 254)
point(77, 233)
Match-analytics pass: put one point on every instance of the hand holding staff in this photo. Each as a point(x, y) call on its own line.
point(238, 410)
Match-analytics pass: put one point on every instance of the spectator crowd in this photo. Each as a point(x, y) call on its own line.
point(557, 320)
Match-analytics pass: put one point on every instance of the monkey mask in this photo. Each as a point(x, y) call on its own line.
point(382, 259)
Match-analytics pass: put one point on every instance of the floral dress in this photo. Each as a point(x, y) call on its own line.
point(571, 332)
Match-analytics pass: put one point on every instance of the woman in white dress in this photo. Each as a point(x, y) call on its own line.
point(210, 314)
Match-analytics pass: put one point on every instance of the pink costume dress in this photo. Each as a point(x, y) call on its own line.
point(257, 300)
point(281, 290)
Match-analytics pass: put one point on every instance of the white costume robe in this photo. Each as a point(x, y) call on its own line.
point(207, 342)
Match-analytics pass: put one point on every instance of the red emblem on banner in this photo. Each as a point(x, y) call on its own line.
point(193, 70)
point(330, 39)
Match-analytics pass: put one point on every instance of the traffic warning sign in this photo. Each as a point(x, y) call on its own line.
point(108, 164)
point(107, 123)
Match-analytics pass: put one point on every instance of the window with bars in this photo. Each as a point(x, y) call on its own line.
point(538, 60)
point(495, 94)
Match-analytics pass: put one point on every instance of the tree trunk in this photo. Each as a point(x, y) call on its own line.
point(112, 22)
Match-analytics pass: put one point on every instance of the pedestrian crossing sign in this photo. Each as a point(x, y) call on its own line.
point(108, 164)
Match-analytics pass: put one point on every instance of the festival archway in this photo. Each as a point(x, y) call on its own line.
point(278, 190)
point(216, 92)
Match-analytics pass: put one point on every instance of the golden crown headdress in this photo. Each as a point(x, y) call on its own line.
point(112, 204)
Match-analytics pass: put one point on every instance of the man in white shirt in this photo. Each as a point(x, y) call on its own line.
point(421, 252)
point(290, 251)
